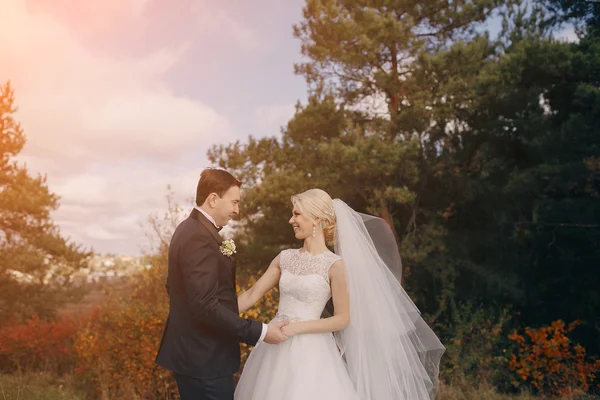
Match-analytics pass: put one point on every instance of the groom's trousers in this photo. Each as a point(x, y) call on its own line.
point(205, 388)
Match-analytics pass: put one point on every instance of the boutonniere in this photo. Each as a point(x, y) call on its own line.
point(227, 247)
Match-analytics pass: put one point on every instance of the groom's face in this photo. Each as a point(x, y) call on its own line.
point(227, 206)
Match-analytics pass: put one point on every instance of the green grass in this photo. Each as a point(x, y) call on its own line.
point(38, 386)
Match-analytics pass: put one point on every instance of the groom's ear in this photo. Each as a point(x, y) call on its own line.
point(212, 199)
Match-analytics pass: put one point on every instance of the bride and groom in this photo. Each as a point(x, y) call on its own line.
point(375, 346)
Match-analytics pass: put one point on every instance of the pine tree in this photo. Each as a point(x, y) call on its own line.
point(36, 262)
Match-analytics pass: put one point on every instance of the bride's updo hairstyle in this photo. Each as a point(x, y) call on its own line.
point(316, 203)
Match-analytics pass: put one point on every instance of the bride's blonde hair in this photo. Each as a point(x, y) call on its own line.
point(316, 203)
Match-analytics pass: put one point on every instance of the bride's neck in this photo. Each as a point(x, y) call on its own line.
point(315, 245)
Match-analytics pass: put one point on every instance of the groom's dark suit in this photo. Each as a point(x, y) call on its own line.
point(200, 343)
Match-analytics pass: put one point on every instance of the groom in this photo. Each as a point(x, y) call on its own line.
point(200, 342)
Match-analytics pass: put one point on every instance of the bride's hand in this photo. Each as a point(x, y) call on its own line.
point(288, 330)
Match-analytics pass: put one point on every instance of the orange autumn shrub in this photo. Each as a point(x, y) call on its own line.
point(117, 349)
point(550, 362)
point(38, 345)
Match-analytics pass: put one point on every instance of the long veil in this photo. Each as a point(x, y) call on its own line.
point(389, 350)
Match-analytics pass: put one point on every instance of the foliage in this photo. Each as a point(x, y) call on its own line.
point(585, 14)
point(475, 349)
point(38, 345)
point(549, 361)
point(116, 351)
point(479, 151)
point(387, 82)
point(36, 263)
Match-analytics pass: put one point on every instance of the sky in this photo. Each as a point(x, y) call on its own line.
point(120, 98)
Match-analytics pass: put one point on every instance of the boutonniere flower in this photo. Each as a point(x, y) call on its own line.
point(227, 247)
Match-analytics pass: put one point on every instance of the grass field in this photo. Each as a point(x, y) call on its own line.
point(39, 386)
point(47, 387)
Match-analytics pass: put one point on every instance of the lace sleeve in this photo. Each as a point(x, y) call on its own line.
point(284, 259)
point(330, 261)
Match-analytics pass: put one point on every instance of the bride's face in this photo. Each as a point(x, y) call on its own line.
point(302, 224)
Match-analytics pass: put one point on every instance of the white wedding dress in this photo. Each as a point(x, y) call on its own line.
point(307, 366)
point(387, 352)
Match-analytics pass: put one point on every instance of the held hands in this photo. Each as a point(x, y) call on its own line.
point(289, 330)
point(275, 333)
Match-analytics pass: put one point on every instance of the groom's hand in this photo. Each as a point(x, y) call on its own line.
point(275, 334)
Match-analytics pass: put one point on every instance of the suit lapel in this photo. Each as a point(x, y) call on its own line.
point(197, 215)
point(213, 231)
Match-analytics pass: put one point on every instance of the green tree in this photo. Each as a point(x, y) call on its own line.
point(528, 212)
point(583, 13)
point(480, 152)
point(383, 159)
point(36, 262)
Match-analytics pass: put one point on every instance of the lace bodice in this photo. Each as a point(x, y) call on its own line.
point(304, 284)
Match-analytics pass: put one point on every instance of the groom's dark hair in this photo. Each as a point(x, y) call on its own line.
point(213, 180)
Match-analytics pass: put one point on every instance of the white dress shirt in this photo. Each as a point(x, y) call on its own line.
point(212, 220)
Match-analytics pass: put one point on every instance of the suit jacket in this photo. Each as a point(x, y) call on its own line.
point(203, 330)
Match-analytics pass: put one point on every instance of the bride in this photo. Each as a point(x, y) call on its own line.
point(375, 346)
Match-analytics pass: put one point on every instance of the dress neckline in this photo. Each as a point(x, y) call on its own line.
point(313, 255)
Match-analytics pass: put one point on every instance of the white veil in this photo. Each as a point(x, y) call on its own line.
point(389, 350)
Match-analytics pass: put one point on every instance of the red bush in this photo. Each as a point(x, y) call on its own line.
point(38, 345)
point(116, 351)
point(547, 360)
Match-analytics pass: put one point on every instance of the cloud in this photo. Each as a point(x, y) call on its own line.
point(270, 119)
point(111, 209)
point(104, 126)
point(90, 18)
point(75, 102)
point(220, 22)
point(99, 89)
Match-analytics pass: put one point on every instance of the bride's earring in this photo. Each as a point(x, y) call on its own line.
point(314, 231)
